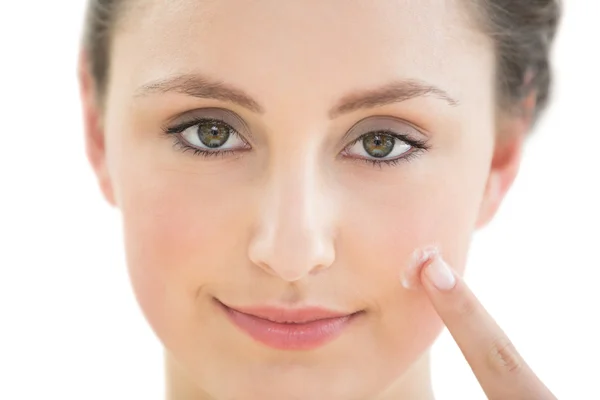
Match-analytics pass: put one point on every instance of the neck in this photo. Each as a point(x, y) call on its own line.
point(415, 384)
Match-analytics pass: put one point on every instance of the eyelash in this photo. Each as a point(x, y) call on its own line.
point(419, 146)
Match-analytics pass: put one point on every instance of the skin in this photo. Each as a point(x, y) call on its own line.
point(295, 219)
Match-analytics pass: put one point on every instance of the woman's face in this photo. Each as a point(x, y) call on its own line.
point(342, 136)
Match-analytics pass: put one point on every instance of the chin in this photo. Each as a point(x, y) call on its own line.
point(286, 384)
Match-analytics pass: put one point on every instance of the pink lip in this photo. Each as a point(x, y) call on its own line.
point(290, 329)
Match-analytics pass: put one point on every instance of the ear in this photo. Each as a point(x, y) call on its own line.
point(93, 128)
point(510, 138)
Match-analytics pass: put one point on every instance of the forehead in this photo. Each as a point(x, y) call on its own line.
point(313, 48)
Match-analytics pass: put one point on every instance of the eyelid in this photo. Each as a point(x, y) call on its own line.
point(383, 123)
point(221, 114)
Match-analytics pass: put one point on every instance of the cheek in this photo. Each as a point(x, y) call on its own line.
point(381, 227)
point(385, 224)
point(178, 237)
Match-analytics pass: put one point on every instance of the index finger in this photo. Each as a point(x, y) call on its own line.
point(499, 368)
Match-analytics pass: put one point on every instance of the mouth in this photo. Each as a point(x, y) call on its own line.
point(290, 329)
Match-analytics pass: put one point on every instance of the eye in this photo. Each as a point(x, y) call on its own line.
point(213, 134)
point(378, 146)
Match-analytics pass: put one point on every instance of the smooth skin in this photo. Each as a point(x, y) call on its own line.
point(298, 215)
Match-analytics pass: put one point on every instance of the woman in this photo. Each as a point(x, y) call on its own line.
point(297, 178)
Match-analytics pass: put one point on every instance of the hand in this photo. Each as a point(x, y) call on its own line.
point(499, 368)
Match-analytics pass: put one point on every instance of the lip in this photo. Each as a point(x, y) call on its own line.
point(290, 329)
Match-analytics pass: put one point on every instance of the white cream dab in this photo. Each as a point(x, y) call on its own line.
point(410, 277)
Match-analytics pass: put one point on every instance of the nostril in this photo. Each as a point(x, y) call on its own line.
point(265, 267)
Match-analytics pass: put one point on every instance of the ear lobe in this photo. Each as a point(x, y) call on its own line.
point(93, 129)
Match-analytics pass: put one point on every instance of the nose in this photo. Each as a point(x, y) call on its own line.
point(294, 234)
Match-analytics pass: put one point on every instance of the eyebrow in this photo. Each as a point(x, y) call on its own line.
point(200, 86)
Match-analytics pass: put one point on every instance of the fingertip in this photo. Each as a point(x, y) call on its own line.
point(439, 274)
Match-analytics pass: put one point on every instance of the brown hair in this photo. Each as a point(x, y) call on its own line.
point(522, 30)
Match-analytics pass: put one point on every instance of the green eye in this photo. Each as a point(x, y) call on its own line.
point(213, 134)
point(378, 145)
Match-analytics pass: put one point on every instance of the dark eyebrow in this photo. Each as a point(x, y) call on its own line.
point(394, 92)
point(200, 86)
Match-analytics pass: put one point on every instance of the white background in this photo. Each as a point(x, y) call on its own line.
point(70, 327)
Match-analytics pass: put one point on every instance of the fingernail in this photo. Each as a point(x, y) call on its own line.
point(440, 274)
